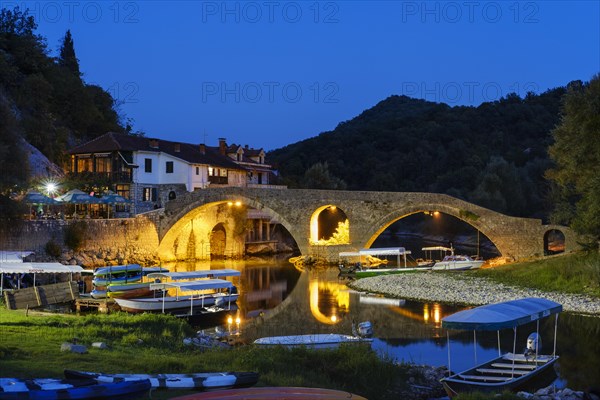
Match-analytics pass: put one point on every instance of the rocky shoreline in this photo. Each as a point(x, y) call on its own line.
point(464, 289)
point(469, 290)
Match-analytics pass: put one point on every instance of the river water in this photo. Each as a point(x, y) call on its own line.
point(278, 298)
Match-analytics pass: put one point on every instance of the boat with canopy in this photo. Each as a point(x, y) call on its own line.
point(509, 371)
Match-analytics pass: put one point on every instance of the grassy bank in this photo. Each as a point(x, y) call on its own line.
point(571, 273)
point(30, 347)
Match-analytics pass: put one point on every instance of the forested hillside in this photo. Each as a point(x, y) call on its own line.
point(43, 99)
point(494, 155)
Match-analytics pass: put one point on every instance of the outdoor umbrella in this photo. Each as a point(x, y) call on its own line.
point(33, 197)
point(76, 196)
point(114, 199)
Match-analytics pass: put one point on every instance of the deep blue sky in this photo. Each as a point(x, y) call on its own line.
point(270, 73)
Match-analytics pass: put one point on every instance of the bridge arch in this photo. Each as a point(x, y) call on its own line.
point(338, 215)
point(198, 211)
point(468, 217)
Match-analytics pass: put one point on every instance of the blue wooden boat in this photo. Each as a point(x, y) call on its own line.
point(197, 381)
point(509, 371)
point(62, 389)
point(119, 276)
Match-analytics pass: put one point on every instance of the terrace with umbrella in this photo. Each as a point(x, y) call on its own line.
point(34, 198)
point(81, 202)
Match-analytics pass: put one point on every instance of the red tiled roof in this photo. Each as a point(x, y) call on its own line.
point(191, 153)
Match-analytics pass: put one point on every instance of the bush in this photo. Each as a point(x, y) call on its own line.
point(53, 249)
point(75, 235)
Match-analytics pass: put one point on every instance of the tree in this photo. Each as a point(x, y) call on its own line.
point(67, 56)
point(318, 177)
point(576, 152)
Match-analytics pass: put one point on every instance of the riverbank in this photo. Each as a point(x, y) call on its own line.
point(465, 289)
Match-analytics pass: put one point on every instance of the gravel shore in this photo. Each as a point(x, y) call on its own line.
point(462, 289)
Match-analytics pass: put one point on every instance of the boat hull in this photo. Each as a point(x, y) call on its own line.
point(57, 389)
point(389, 271)
point(296, 393)
point(173, 304)
point(198, 381)
point(457, 265)
point(474, 380)
point(317, 341)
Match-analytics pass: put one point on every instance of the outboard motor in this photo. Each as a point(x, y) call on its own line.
point(365, 329)
point(534, 342)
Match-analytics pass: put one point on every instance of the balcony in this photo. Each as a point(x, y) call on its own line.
point(111, 177)
point(218, 180)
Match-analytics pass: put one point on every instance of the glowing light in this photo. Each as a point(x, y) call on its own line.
point(230, 203)
point(238, 321)
point(436, 313)
point(426, 312)
point(436, 213)
point(238, 203)
point(332, 208)
point(230, 320)
point(334, 318)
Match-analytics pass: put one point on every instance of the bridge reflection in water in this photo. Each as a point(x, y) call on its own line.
point(277, 299)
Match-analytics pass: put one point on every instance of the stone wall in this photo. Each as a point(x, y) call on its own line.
point(105, 241)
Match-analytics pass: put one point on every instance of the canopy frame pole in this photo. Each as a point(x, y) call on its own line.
point(514, 351)
point(555, 329)
point(163, 300)
point(537, 342)
point(448, 339)
point(475, 345)
point(1, 283)
point(499, 351)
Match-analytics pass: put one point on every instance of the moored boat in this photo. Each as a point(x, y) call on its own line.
point(198, 381)
point(509, 371)
point(363, 334)
point(206, 292)
point(124, 281)
point(286, 392)
point(58, 389)
point(457, 263)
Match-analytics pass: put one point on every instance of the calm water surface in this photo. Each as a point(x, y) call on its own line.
point(276, 298)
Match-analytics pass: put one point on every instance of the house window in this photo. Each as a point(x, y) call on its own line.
point(147, 194)
point(197, 170)
point(103, 164)
point(169, 167)
point(172, 195)
point(154, 194)
point(147, 165)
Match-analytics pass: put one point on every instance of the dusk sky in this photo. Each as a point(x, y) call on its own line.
point(270, 73)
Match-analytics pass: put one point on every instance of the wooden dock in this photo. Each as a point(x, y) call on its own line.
point(41, 296)
point(103, 306)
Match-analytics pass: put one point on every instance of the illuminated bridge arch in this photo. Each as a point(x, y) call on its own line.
point(368, 213)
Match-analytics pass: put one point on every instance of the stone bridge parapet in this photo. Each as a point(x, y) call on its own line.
point(369, 214)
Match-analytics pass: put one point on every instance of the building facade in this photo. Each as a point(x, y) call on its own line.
point(150, 171)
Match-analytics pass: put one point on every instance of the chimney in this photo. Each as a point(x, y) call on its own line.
point(222, 146)
point(202, 148)
point(246, 147)
point(153, 143)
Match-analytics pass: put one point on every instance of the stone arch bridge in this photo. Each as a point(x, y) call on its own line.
point(369, 214)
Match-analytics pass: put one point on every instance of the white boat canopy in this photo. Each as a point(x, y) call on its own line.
point(349, 254)
point(14, 256)
point(203, 273)
point(38, 268)
point(498, 316)
point(384, 251)
point(436, 248)
point(193, 285)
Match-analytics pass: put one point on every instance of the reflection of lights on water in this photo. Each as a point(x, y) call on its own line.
point(340, 296)
point(436, 313)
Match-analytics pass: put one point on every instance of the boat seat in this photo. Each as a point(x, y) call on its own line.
point(521, 358)
point(516, 365)
point(484, 378)
point(502, 371)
